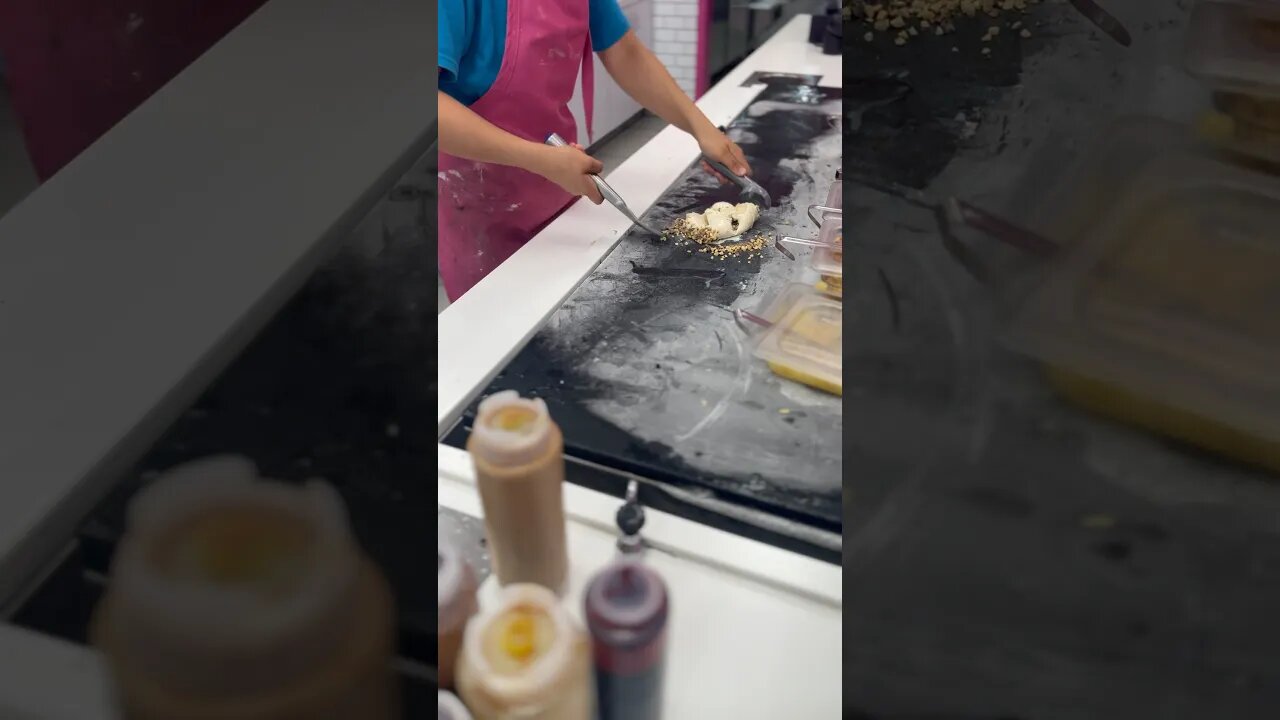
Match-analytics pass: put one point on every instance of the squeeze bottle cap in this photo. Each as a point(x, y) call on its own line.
point(538, 668)
point(511, 430)
point(218, 569)
point(626, 604)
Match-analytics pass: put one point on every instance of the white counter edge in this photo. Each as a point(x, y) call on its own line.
point(694, 542)
point(51, 679)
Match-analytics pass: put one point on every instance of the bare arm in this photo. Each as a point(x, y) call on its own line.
point(639, 72)
point(467, 135)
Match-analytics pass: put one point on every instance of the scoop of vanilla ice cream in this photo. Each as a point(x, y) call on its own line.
point(726, 219)
point(745, 214)
point(721, 224)
point(695, 219)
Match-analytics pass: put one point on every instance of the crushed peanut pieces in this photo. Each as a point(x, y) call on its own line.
point(748, 247)
point(682, 229)
point(907, 18)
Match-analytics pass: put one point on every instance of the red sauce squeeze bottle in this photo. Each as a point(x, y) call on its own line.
point(626, 610)
point(626, 607)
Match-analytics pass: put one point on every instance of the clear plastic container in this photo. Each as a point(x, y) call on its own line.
point(1233, 51)
point(804, 343)
point(1265, 9)
point(1249, 144)
point(835, 194)
point(777, 306)
point(1254, 120)
point(1163, 311)
point(828, 259)
point(1237, 53)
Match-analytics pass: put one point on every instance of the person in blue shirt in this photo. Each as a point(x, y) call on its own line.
point(507, 71)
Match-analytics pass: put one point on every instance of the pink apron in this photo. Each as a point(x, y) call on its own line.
point(76, 67)
point(487, 212)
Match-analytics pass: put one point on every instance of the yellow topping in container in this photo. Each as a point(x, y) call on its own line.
point(1162, 311)
point(805, 343)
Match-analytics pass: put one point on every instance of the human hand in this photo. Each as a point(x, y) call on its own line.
point(717, 146)
point(571, 168)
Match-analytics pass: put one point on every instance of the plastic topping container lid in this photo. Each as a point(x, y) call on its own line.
point(1232, 51)
point(828, 261)
point(1172, 293)
point(451, 708)
point(806, 337)
point(777, 306)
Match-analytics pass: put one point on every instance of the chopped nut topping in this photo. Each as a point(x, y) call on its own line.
point(909, 17)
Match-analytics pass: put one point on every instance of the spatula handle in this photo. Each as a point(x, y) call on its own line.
point(554, 140)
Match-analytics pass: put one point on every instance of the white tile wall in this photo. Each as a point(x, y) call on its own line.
point(676, 40)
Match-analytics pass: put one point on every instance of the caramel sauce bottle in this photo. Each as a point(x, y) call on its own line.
point(518, 454)
point(626, 607)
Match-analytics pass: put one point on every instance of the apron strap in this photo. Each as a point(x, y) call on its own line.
point(588, 88)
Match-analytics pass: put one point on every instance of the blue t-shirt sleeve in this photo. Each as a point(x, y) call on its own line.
point(608, 24)
point(453, 36)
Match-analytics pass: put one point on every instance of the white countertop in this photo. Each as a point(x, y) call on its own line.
point(46, 678)
point(743, 643)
